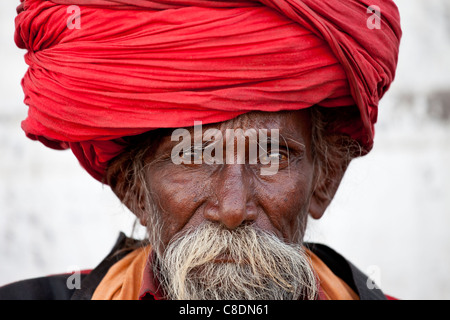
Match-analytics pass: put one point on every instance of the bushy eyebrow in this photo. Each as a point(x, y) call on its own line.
point(295, 141)
point(267, 139)
point(285, 139)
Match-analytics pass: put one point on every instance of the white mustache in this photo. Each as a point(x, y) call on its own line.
point(212, 262)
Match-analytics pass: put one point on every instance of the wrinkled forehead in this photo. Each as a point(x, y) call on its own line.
point(282, 120)
point(292, 125)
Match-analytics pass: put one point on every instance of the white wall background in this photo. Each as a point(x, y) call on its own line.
point(390, 216)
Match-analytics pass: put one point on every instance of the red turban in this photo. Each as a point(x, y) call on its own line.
point(135, 65)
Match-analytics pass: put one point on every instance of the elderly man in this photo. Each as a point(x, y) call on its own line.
point(222, 125)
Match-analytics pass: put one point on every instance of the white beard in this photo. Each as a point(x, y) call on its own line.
point(212, 262)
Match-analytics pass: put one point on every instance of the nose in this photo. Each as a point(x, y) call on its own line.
point(233, 203)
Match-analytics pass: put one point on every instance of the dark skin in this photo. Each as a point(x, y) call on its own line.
point(235, 194)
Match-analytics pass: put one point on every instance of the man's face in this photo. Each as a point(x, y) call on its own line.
point(187, 195)
point(227, 231)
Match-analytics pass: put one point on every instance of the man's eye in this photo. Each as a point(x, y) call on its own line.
point(191, 155)
point(273, 156)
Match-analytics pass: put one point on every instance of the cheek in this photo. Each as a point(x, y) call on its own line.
point(286, 202)
point(177, 198)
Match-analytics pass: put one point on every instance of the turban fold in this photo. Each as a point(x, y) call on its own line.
point(132, 66)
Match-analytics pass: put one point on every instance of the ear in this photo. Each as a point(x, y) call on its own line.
point(128, 190)
point(325, 188)
point(138, 208)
